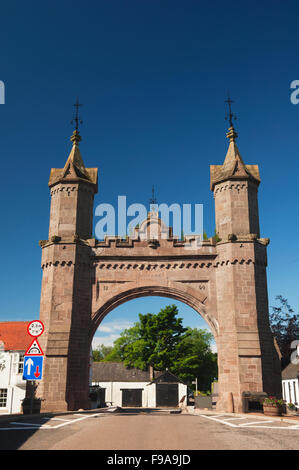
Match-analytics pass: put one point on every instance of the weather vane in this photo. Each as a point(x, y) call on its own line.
point(153, 199)
point(230, 115)
point(76, 119)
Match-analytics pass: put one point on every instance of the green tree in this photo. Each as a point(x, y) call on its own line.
point(285, 327)
point(161, 341)
point(101, 352)
point(151, 341)
point(195, 359)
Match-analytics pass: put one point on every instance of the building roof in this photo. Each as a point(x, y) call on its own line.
point(14, 335)
point(290, 372)
point(74, 170)
point(118, 372)
point(166, 377)
point(233, 166)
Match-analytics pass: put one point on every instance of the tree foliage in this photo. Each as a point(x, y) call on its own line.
point(194, 358)
point(285, 327)
point(101, 352)
point(161, 341)
point(152, 340)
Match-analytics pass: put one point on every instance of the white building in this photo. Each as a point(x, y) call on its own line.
point(14, 341)
point(290, 384)
point(130, 387)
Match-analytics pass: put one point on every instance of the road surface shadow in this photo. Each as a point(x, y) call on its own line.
point(156, 411)
point(13, 434)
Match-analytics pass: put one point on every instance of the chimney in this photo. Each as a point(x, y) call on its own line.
point(151, 372)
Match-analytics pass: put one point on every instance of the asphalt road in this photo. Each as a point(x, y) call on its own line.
point(147, 431)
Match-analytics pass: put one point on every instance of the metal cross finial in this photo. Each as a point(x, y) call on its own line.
point(153, 200)
point(230, 115)
point(76, 119)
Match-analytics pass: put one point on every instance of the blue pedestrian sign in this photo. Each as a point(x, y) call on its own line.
point(33, 367)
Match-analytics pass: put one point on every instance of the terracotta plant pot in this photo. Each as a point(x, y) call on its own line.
point(272, 409)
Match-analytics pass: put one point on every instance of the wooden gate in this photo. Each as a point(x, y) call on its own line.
point(132, 397)
point(167, 394)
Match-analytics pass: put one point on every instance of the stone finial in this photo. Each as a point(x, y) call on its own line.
point(76, 137)
point(230, 116)
point(74, 169)
point(232, 135)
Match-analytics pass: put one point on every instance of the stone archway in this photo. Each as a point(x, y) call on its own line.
point(225, 280)
point(189, 296)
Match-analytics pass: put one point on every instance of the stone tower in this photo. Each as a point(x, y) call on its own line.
point(66, 284)
point(248, 361)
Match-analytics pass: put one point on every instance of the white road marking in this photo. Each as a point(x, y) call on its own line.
point(74, 421)
point(23, 429)
point(231, 419)
point(30, 424)
point(57, 419)
point(250, 425)
point(27, 426)
point(255, 422)
point(271, 427)
point(220, 421)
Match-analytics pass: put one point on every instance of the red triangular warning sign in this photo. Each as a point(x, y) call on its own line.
point(34, 349)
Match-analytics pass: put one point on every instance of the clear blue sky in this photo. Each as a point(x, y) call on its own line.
point(153, 76)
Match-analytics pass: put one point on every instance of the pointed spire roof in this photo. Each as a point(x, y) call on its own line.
point(233, 166)
point(74, 169)
point(74, 164)
point(233, 151)
point(233, 163)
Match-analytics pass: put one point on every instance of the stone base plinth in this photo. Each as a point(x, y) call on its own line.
point(53, 406)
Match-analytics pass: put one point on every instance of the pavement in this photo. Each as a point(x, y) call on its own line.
point(114, 409)
point(148, 429)
point(284, 418)
point(7, 417)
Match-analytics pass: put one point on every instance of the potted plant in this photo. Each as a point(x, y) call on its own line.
point(273, 406)
point(291, 409)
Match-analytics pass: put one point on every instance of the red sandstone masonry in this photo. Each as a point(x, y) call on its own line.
point(83, 280)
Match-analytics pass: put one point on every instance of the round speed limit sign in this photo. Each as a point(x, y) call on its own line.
point(35, 328)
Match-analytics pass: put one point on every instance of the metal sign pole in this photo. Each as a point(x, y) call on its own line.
point(31, 396)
